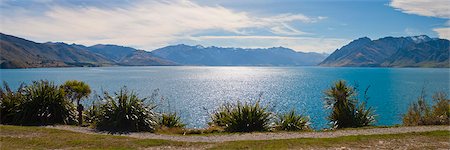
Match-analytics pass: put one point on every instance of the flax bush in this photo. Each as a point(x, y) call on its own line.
point(41, 103)
point(123, 112)
point(346, 110)
point(292, 121)
point(242, 117)
point(171, 120)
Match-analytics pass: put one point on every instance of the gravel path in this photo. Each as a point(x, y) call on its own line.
point(265, 135)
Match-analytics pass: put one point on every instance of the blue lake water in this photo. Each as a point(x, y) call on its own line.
point(194, 92)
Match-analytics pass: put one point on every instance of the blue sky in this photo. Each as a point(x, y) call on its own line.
point(310, 25)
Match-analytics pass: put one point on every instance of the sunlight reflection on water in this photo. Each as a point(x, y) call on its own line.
point(191, 89)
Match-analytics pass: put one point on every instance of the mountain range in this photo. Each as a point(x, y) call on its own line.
point(21, 53)
point(218, 56)
point(414, 51)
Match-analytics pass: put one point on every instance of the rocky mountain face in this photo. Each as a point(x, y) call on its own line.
point(415, 51)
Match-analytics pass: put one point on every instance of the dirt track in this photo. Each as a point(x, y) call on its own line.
point(265, 135)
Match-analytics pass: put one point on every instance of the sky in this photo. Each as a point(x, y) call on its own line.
point(302, 25)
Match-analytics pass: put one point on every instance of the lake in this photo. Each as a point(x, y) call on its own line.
point(195, 92)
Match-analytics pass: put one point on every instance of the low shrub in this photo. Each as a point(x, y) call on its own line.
point(347, 111)
point(124, 112)
point(292, 121)
point(11, 103)
point(41, 103)
point(171, 120)
point(242, 117)
point(92, 114)
point(420, 113)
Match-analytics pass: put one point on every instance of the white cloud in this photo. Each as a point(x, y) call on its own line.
point(285, 29)
point(443, 32)
point(145, 25)
point(429, 8)
point(304, 44)
point(412, 31)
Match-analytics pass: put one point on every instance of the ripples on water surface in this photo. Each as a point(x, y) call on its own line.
point(194, 92)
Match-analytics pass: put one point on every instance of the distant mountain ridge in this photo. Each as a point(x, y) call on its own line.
point(127, 56)
point(414, 51)
point(219, 56)
point(21, 53)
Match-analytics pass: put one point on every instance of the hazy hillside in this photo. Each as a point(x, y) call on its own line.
point(128, 56)
point(21, 53)
point(217, 56)
point(416, 51)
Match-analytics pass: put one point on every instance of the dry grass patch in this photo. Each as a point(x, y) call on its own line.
point(60, 139)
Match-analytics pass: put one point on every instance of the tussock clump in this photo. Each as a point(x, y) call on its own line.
point(292, 121)
point(242, 117)
point(347, 112)
point(171, 120)
point(123, 112)
point(41, 103)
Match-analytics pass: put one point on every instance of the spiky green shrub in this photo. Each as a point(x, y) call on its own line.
point(45, 103)
point(420, 113)
point(11, 103)
point(124, 112)
point(346, 110)
point(92, 114)
point(242, 117)
point(292, 121)
point(171, 120)
point(41, 103)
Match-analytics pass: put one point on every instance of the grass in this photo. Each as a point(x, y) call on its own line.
point(358, 142)
point(212, 130)
point(19, 137)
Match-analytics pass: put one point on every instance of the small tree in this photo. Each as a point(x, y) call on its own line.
point(77, 90)
point(346, 111)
